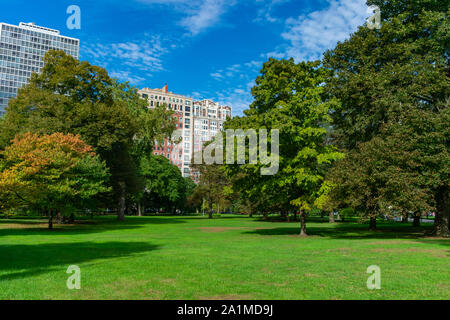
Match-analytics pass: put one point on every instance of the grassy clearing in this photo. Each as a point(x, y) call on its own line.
point(231, 257)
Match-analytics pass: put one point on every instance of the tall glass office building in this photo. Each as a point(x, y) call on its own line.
point(21, 51)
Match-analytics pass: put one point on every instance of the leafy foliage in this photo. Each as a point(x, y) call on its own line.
point(289, 97)
point(78, 98)
point(164, 186)
point(53, 172)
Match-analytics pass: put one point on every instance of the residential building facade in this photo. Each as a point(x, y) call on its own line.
point(179, 153)
point(209, 117)
point(197, 123)
point(22, 49)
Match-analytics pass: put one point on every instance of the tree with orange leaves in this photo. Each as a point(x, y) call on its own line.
point(57, 173)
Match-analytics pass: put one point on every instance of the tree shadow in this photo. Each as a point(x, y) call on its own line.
point(42, 258)
point(351, 231)
point(279, 219)
point(83, 226)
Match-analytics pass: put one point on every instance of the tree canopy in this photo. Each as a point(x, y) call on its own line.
point(69, 96)
point(56, 172)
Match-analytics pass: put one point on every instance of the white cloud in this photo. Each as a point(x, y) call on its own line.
point(310, 35)
point(144, 54)
point(241, 71)
point(217, 75)
point(239, 79)
point(264, 14)
point(238, 98)
point(199, 14)
point(204, 16)
point(126, 76)
point(130, 60)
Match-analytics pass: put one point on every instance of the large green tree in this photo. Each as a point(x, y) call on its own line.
point(382, 79)
point(56, 173)
point(164, 186)
point(212, 186)
point(69, 96)
point(290, 97)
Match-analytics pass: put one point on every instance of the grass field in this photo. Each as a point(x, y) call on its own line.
point(231, 257)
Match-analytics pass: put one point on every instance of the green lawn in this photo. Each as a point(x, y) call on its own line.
point(231, 257)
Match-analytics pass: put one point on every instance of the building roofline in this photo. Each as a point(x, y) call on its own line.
point(161, 90)
point(45, 30)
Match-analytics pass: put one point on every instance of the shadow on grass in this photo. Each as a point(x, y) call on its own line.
point(352, 231)
point(42, 258)
point(278, 218)
point(16, 227)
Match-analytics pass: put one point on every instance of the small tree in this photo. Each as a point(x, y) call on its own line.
point(57, 173)
point(164, 186)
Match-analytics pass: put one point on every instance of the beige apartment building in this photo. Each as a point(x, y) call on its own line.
point(197, 122)
point(180, 153)
point(209, 118)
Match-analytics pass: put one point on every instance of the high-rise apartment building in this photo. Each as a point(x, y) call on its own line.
point(197, 122)
point(209, 117)
point(21, 51)
point(179, 153)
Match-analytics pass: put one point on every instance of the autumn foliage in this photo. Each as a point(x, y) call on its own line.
point(56, 172)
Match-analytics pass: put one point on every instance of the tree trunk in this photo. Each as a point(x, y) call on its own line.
point(59, 218)
point(287, 217)
point(295, 215)
point(264, 215)
point(442, 216)
point(71, 218)
point(331, 220)
point(405, 216)
point(416, 221)
point(50, 219)
point(302, 224)
point(121, 211)
point(139, 209)
point(210, 212)
point(373, 222)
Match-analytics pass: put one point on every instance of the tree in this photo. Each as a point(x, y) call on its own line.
point(323, 202)
point(386, 76)
point(164, 185)
point(290, 97)
point(391, 172)
point(57, 173)
point(75, 97)
point(152, 125)
point(212, 186)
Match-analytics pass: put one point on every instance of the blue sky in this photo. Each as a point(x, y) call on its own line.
point(202, 48)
